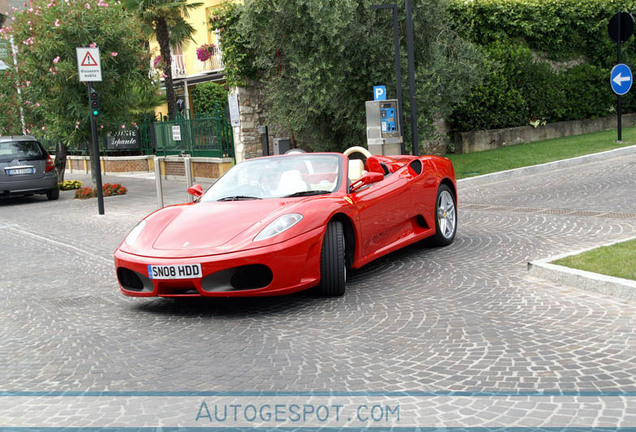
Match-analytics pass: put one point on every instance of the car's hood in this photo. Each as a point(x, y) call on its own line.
point(213, 224)
point(208, 228)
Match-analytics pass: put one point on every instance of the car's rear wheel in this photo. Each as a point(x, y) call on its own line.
point(445, 216)
point(53, 194)
point(333, 268)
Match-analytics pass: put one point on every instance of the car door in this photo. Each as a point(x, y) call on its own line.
point(384, 211)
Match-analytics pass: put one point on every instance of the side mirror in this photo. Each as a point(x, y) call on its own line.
point(366, 179)
point(195, 190)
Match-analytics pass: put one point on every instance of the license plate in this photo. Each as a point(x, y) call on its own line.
point(179, 271)
point(20, 171)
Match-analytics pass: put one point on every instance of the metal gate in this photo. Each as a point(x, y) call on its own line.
point(209, 135)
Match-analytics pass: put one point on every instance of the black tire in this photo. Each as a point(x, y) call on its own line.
point(445, 216)
point(333, 269)
point(53, 194)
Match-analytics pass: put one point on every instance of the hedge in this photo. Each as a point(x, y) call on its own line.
point(550, 61)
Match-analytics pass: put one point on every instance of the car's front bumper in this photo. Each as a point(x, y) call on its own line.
point(283, 268)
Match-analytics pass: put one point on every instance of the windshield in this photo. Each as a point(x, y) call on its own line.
point(278, 177)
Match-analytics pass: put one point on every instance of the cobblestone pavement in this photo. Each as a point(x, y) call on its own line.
point(466, 317)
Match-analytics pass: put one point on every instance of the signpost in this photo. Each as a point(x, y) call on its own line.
point(90, 70)
point(620, 29)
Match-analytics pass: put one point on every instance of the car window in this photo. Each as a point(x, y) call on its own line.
point(24, 150)
point(277, 177)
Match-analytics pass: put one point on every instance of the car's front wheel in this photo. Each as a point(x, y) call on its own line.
point(333, 268)
point(445, 216)
point(53, 194)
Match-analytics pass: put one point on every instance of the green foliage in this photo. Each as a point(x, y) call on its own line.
point(522, 90)
point(318, 61)
point(55, 102)
point(209, 97)
point(237, 55)
point(562, 28)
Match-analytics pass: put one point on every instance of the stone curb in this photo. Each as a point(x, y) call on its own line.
point(622, 288)
point(549, 166)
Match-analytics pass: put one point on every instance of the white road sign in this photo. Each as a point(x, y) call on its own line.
point(88, 64)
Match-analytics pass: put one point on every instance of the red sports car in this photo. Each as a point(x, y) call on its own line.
point(280, 224)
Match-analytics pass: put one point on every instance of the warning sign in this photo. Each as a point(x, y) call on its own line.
point(89, 60)
point(88, 64)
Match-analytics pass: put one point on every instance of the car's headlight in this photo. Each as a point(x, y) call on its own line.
point(280, 225)
point(131, 238)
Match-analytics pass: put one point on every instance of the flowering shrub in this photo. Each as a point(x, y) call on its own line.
point(114, 189)
point(70, 184)
point(205, 51)
point(107, 188)
point(157, 62)
point(85, 193)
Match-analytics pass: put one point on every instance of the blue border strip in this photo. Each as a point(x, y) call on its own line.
point(321, 429)
point(312, 393)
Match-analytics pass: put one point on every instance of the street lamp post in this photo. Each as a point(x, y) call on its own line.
point(412, 89)
point(398, 68)
point(411, 69)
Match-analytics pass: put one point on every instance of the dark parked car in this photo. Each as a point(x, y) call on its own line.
point(26, 168)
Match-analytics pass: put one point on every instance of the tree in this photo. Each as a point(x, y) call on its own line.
point(54, 101)
point(165, 20)
point(209, 97)
point(318, 61)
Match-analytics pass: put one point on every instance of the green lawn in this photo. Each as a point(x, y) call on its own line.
point(472, 164)
point(618, 260)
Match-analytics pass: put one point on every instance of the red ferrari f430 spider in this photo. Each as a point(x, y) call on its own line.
point(280, 224)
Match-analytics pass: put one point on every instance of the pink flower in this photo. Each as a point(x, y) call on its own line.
point(57, 23)
point(28, 83)
point(56, 59)
point(114, 54)
point(43, 127)
point(123, 126)
point(88, 6)
point(93, 45)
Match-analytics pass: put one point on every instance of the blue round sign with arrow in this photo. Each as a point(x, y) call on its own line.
point(621, 79)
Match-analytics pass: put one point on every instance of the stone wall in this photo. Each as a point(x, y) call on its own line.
point(469, 142)
point(125, 164)
point(247, 139)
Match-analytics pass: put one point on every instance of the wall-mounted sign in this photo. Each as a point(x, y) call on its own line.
point(176, 133)
point(124, 140)
point(235, 115)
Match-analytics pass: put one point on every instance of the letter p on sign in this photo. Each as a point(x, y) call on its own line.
point(379, 93)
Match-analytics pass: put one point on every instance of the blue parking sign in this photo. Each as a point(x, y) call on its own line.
point(379, 92)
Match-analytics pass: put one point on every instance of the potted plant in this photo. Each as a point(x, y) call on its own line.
point(205, 51)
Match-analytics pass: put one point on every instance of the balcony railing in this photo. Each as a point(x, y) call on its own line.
point(178, 66)
point(214, 63)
